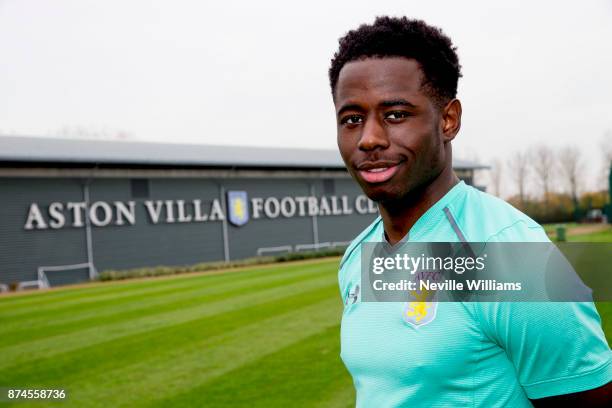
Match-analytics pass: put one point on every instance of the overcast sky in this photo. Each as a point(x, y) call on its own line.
point(255, 72)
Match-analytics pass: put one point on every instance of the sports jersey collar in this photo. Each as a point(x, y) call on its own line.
point(431, 215)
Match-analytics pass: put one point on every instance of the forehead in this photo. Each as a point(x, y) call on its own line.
point(382, 77)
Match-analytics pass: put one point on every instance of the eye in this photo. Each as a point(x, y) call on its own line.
point(396, 116)
point(351, 120)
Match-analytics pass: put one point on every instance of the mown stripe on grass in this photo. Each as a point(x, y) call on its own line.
point(35, 298)
point(601, 236)
point(22, 306)
point(342, 397)
point(605, 312)
point(43, 348)
point(180, 370)
point(104, 356)
point(299, 375)
point(144, 288)
point(48, 324)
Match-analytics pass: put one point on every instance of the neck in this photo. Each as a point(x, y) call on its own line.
point(400, 215)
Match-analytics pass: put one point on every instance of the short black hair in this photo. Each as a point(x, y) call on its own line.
point(403, 37)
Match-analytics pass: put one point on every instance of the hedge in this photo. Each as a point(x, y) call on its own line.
point(109, 275)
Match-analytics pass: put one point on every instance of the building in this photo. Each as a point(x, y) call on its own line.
point(71, 208)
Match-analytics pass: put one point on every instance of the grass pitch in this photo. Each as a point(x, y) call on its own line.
point(262, 337)
point(259, 337)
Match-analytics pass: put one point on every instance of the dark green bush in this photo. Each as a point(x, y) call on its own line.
point(110, 275)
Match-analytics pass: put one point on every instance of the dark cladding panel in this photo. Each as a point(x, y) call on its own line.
point(167, 242)
point(245, 240)
point(23, 251)
point(342, 228)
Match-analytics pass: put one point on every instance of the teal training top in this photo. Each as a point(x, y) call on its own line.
point(467, 354)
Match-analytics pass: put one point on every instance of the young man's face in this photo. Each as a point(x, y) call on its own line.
point(390, 132)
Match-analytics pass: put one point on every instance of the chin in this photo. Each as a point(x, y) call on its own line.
point(381, 193)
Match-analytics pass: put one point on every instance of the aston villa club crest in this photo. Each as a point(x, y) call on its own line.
point(419, 313)
point(238, 207)
point(422, 307)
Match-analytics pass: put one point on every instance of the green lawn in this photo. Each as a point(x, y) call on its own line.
point(604, 308)
point(260, 337)
point(601, 236)
point(574, 233)
point(265, 337)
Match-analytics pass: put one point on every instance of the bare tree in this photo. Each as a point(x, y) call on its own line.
point(519, 168)
point(571, 170)
point(543, 162)
point(495, 175)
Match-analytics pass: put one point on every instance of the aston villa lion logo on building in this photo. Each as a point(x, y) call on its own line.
point(237, 207)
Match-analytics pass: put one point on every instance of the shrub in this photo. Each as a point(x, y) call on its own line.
point(110, 275)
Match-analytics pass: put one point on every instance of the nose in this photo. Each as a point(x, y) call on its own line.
point(373, 136)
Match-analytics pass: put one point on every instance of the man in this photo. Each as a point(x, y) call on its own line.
point(394, 87)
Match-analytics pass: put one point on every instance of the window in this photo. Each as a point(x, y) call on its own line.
point(329, 187)
point(140, 188)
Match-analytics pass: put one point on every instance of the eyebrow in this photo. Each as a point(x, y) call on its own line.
point(350, 106)
point(396, 102)
point(383, 104)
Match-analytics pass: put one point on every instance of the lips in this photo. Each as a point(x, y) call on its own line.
point(378, 172)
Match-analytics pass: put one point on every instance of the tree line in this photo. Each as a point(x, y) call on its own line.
point(549, 183)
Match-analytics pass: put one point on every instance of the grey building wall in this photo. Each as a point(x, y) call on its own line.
point(342, 227)
point(147, 244)
point(263, 232)
point(21, 251)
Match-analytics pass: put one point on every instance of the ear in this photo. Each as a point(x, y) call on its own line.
point(451, 120)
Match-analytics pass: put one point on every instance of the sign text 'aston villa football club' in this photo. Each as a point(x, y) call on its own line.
point(240, 209)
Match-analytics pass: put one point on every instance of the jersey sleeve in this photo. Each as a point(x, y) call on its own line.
point(556, 347)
